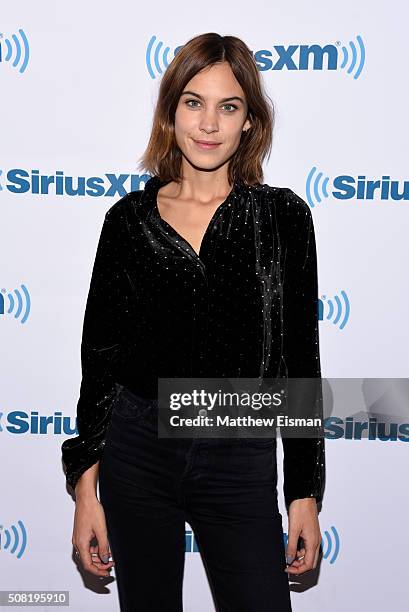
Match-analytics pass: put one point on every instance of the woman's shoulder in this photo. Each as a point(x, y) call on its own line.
point(121, 207)
point(283, 196)
point(284, 201)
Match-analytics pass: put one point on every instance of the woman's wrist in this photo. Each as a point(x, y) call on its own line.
point(86, 487)
point(85, 494)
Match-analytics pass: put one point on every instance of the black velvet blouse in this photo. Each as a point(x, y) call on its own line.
point(245, 306)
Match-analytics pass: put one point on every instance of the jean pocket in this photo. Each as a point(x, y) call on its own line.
point(129, 406)
point(266, 443)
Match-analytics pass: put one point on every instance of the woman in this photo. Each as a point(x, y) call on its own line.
point(206, 272)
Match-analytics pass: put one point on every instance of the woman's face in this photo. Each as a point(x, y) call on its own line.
point(212, 108)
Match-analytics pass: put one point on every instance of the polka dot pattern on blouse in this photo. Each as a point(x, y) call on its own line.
point(246, 306)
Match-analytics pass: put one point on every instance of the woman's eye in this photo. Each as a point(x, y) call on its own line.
point(232, 106)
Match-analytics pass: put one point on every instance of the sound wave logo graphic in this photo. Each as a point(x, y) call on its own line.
point(330, 544)
point(14, 539)
point(353, 58)
point(19, 304)
point(338, 309)
point(16, 51)
point(316, 187)
point(360, 188)
point(156, 57)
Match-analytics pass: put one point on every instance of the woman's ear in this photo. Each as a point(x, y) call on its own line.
point(247, 123)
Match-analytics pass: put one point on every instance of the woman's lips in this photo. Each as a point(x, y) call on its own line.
point(203, 145)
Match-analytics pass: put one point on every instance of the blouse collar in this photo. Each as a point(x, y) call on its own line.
point(149, 195)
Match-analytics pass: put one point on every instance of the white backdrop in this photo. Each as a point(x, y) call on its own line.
point(78, 87)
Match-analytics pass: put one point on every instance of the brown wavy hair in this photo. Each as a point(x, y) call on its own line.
point(163, 157)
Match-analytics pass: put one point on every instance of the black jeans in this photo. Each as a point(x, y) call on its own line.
point(226, 489)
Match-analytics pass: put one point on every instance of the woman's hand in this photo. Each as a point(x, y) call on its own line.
point(303, 521)
point(89, 521)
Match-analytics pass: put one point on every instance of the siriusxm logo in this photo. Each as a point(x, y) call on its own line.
point(344, 187)
point(350, 57)
point(15, 50)
point(352, 428)
point(335, 427)
point(347, 187)
point(108, 185)
point(21, 422)
point(337, 309)
point(13, 539)
point(17, 305)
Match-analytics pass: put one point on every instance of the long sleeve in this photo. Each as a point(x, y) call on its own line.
point(304, 458)
point(101, 345)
